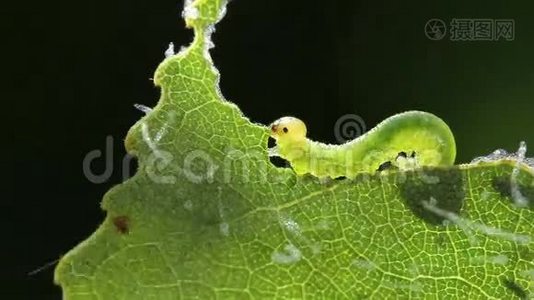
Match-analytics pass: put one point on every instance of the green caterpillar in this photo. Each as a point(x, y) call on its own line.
point(406, 139)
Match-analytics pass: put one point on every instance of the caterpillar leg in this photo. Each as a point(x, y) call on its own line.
point(388, 165)
point(405, 161)
point(273, 152)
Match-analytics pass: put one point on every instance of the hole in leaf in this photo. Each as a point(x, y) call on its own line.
point(279, 162)
point(271, 142)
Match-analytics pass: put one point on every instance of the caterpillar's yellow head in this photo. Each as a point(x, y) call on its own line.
point(288, 129)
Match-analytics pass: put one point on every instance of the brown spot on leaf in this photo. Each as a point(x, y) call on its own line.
point(122, 224)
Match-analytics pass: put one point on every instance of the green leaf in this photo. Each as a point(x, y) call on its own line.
point(208, 216)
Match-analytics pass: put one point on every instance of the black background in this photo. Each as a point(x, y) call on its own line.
point(73, 70)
